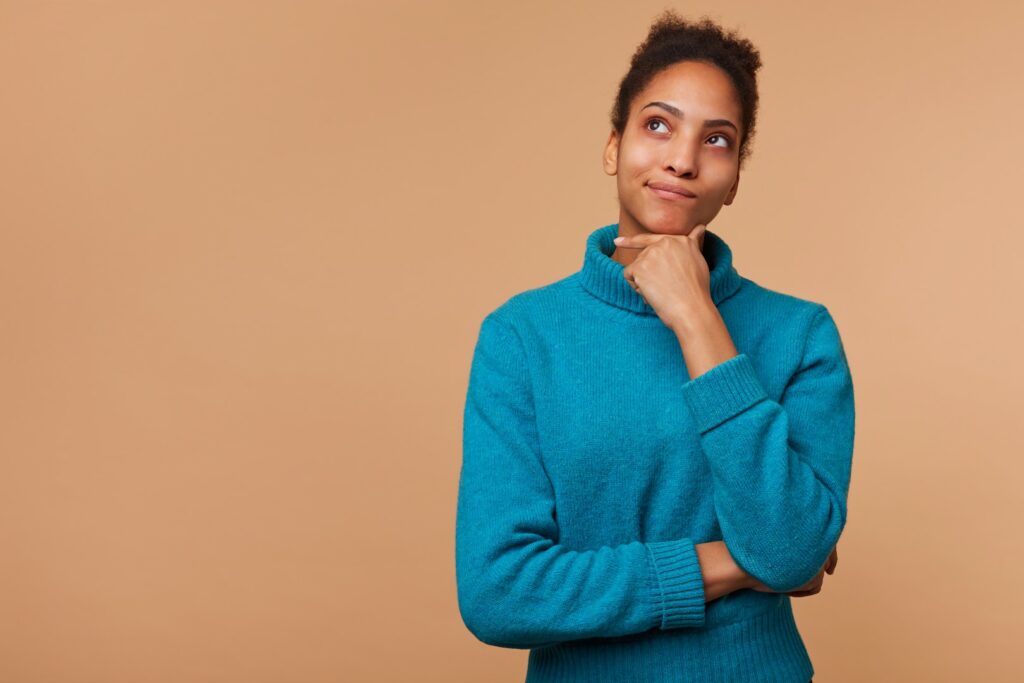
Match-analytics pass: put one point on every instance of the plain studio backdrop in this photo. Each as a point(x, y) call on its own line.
point(245, 248)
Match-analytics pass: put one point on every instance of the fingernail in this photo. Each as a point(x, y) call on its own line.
point(617, 240)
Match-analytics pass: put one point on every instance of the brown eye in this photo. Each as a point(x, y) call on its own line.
point(648, 125)
point(722, 137)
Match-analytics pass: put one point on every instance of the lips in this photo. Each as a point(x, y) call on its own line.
point(662, 189)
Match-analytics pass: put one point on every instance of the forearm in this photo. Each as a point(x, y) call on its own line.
point(721, 573)
point(780, 461)
point(705, 341)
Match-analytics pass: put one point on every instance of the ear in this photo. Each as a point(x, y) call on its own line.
point(732, 192)
point(611, 153)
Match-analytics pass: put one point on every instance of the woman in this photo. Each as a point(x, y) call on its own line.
point(656, 449)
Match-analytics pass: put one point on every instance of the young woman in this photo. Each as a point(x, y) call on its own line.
point(656, 449)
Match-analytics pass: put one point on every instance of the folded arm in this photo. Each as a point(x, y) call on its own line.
point(517, 585)
point(780, 470)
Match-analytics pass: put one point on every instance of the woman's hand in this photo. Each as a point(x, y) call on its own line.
point(812, 587)
point(671, 274)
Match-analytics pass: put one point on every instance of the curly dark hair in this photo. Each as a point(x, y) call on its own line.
point(673, 39)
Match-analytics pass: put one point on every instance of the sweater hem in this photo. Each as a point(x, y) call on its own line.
point(766, 647)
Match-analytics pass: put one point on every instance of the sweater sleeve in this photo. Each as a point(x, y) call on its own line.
point(781, 470)
point(517, 586)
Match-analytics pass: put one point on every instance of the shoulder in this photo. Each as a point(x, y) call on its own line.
point(526, 306)
point(510, 329)
point(785, 333)
point(789, 320)
point(778, 307)
point(779, 303)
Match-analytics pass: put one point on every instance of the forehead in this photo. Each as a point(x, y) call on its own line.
point(697, 87)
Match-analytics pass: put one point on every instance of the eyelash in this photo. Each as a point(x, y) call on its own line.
point(719, 135)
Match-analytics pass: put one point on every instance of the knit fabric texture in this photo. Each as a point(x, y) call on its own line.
point(592, 464)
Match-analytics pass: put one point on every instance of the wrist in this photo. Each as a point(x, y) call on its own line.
point(697, 320)
point(743, 579)
point(739, 578)
point(720, 572)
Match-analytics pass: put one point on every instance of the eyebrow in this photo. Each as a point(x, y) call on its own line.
point(678, 113)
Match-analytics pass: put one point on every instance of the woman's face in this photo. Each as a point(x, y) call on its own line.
point(682, 133)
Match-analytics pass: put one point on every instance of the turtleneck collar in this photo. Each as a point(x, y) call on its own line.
point(602, 276)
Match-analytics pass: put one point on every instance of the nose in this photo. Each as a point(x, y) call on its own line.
point(682, 158)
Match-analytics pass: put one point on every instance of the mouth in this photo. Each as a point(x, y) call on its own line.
point(671, 192)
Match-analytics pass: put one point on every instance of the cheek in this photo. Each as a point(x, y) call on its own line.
point(636, 157)
point(720, 180)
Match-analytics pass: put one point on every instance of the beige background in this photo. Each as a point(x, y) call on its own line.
point(246, 247)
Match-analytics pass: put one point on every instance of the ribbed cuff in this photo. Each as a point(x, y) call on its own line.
point(725, 390)
point(678, 582)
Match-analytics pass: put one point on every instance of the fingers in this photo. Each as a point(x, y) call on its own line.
point(631, 241)
point(810, 588)
point(814, 587)
point(833, 560)
point(627, 273)
point(644, 240)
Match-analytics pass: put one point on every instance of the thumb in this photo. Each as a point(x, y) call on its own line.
point(698, 232)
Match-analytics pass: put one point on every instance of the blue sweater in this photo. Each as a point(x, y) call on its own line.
point(592, 463)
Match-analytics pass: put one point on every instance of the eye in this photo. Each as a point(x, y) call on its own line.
point(722, 137)
point(650, 121)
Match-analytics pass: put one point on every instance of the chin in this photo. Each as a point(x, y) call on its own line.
point(669, 224)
